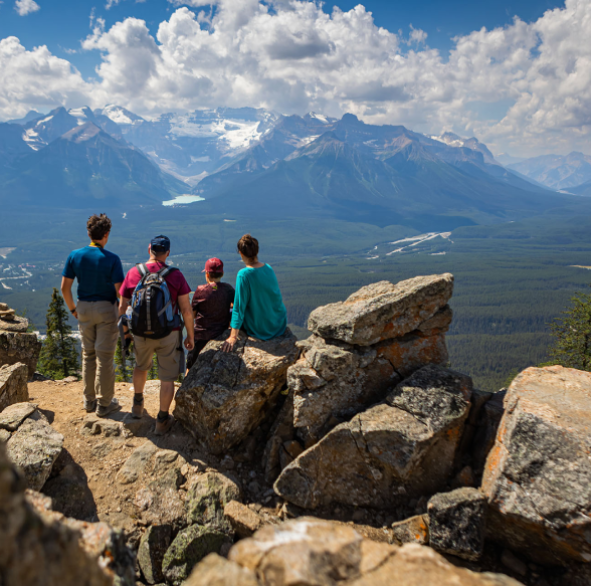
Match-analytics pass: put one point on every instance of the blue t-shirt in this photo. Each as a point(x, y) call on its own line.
point(258, 306)
point(97, 271)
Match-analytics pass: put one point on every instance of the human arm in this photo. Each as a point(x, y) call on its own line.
point(117, 287)
point(187, 313)
point(241, 298)
point(66, 288)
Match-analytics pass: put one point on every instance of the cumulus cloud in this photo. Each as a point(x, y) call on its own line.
point(24, 7)
point(36, 79)
point(291, 56)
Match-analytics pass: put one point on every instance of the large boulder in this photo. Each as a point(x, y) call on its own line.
point(382, 311)
point(313, 552)
point(405, 445)
point(335, 380)
point(19, 347)
point(538, 475)
point(226, 395)
point(457, 522)
point(13, 384)
point(214, 570)
point(41, 548)
point(34, 447)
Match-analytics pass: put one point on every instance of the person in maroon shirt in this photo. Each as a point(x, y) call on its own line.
point(212, 304)
point(167, 349)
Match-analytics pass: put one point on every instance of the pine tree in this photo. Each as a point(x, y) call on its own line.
point(59, 355)
point(572, 335)
point(123, 371)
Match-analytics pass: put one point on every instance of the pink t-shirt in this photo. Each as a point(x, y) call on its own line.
point(177, 284)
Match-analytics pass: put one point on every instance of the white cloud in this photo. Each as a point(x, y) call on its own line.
point(24, 7)
point(291, 56)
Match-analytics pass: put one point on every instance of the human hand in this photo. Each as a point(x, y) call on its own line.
point(189, 344)
point(75, 314)
point(229, 344)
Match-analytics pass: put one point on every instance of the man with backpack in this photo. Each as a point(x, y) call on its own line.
point(156, 293)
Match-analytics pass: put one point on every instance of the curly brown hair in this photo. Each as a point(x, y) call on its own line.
point(248, 246)
point(98, 226)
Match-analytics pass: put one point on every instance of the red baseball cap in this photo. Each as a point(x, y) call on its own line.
point(213, 265)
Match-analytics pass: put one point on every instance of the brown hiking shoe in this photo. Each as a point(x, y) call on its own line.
point(164, 426)
point(104, 410)
point(137, 409)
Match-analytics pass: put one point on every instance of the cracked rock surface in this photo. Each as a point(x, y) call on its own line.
point(226, 395)
point(405, 445)
point(538, 475)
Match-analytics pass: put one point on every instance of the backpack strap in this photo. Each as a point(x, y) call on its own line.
point(166, 271)
point(142, 269)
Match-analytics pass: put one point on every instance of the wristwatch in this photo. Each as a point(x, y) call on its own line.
point(73, 311)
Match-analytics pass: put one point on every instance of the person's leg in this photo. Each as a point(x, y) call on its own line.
point(166, 395)
point(105, 346)
point(144, 350)
point(168, 354)
point(87, 329)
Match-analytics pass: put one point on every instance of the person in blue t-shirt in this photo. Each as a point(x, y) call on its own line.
point(99, 274)
point(258, 305)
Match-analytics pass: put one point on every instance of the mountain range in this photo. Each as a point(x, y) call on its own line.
point(249, 161)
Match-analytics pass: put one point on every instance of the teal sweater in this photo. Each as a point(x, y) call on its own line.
point(258, 306)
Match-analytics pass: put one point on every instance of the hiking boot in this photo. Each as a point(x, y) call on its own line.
point(89, 406)
point(137, 409)
point(163, 427)
point(102, 411)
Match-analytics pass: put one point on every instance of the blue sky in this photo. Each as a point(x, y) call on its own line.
point(513, 73)
point(62, 24)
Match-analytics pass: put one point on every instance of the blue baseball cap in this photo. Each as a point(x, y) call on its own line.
point(160, 243)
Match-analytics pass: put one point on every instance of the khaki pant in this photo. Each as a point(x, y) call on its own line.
point(97, 322)
point(167, 352)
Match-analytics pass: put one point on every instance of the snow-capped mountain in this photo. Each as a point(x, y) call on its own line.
point(451, 139)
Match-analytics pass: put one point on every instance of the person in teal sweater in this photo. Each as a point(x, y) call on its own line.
point(258, 305)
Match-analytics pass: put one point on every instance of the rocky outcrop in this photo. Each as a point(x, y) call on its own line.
point(538, 475)
point(32, 444)
point(41, 548)
point(13, 384)
point(457, 522)
point(405, 445)
point(382, 311)
point(312, 552)
point(335, 381)
point(226, 395)
point(16, 345)
point(363, 346)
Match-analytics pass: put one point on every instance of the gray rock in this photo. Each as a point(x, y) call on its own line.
point(226, 395)
point(16, 324)
point(281, 431)
point(330, 382)
point(20, 347)
point(34, 448)
point(207, 496)
point(457, 522)
point(538, 475)
point(13, 384)
point(383, 310)
point(153, 545)
point(41, 547)
point(406, 445)
point(189, 547)
point(12, 417)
